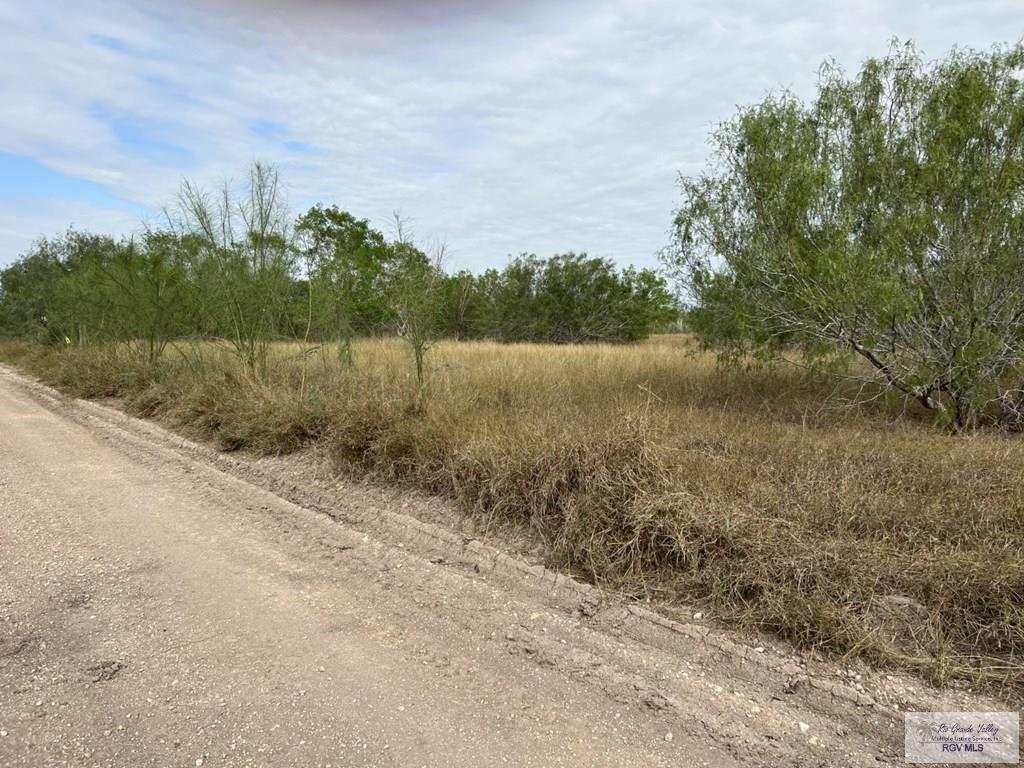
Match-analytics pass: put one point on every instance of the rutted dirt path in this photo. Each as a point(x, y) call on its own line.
point(157, 610)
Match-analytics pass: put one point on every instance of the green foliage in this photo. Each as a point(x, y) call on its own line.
point(81, 288)
point(458, 298)
point(883, 219)
point(570, 298)
point(349, 267)
point(241, 259)
point(416, 294)
point(137, 292)
point(29, 289)
point(231, 266)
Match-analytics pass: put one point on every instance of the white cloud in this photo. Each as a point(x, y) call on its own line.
point(500, 127)
point(23, 222)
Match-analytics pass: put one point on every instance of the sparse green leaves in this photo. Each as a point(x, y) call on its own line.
point(241, 260)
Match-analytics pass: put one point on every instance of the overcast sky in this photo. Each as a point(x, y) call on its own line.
point(499, 127)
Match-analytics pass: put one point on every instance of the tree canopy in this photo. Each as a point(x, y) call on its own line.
point(233, 265)
point(568, 298)
point(884, 218)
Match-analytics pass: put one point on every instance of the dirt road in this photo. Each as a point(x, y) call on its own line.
point(156, 610)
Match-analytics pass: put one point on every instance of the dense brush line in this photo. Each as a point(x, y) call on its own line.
point(330, 278)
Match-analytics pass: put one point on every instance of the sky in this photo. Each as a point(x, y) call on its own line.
point(496, 127)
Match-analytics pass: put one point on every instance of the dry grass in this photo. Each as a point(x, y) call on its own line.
point(751, 492)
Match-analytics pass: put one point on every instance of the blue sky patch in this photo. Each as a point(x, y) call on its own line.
point(110, 43)
point(146, 137)
point(300, 147)
point(268, 129)
point(22, 177)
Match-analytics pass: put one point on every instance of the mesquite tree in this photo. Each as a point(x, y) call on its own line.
point(416, 292)
point(882, 219)
point(241, 259)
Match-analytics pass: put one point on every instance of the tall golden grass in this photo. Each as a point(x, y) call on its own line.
point(762, 494)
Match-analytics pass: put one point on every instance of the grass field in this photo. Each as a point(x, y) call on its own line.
point(760, 494)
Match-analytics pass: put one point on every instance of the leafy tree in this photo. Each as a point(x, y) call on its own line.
point(584, 299)
point(28, 290)
point(136, 292)
point(648, 306)
point(349, 268)
point(569, 298)
point(883, 219)
point(51, 292)
point(85, 288)
point(458, 295)
point(509, 311)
